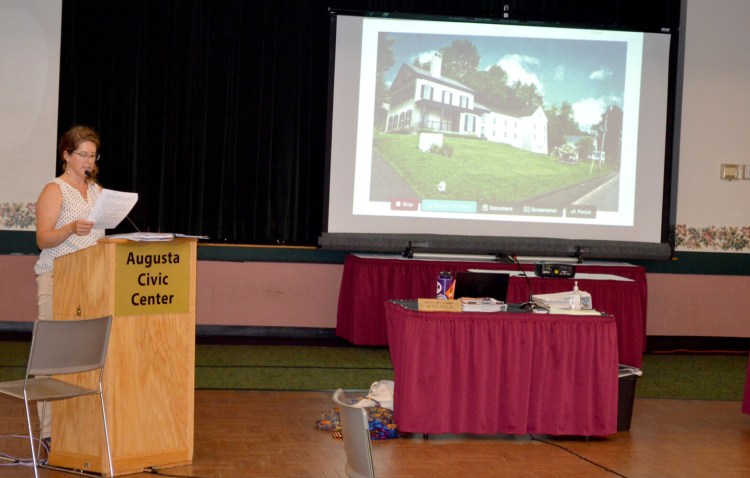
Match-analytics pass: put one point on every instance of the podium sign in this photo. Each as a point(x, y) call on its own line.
point(152, 278)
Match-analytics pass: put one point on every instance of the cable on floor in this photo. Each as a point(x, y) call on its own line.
point(14, 461)
point(156, 471)
point(609, 470)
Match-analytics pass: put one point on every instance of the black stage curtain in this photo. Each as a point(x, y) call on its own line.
point(215, 111)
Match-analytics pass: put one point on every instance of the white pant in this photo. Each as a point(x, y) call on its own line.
point(44, 302)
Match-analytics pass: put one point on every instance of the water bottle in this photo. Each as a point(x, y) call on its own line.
point(445, 285)
point(575, 298)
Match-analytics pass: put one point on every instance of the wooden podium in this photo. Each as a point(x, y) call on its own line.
point(149, 289)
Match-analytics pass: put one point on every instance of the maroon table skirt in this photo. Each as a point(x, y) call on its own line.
point(368, 282)
point(510, 373)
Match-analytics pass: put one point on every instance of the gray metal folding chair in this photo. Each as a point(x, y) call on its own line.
point(356, 430)
point(61, 347)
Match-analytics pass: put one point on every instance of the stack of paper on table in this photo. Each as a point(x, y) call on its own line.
point(485, 304)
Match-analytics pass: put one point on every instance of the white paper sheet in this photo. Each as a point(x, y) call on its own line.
point(144, 236)
point(111, 208)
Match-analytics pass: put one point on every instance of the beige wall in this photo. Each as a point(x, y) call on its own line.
point(17, 288)
point(698, 305)
point(228, 293)
point(274, 294)
point(715, 105)
point(268, 294)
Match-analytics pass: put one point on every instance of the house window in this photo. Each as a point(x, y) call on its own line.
point(408, 117)
point(447, 97)
point(401, 119)
point(426, 92)
point(464, 101)
point(469, 124)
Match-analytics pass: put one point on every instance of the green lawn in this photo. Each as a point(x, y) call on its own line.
point(510, 175)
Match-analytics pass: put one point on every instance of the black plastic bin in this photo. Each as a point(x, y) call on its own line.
point(627, 377)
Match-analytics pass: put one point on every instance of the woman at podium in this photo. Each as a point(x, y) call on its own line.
point(61, 215)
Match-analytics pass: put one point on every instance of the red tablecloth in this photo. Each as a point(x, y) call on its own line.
point(746, 401)
point(368, 282)
point(513, 373)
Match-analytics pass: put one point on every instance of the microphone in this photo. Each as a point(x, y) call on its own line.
point(530, 303)
point(89, 175)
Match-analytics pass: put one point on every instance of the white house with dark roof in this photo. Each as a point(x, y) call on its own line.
point(524, 128)
point(426, 100)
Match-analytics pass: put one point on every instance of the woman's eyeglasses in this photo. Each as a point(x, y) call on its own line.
point(94, 156)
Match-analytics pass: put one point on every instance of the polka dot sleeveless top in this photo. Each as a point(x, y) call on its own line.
point(74, 207)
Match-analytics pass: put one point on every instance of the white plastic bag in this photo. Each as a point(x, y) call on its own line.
point(381, 393)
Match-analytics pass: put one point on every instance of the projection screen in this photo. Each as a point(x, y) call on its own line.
point(496, 130)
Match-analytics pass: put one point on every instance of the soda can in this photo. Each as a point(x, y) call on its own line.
point(445, 285)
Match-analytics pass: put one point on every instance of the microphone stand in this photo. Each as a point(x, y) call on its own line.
point(127, 216)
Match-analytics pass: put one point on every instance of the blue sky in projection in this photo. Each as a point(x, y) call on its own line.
point(587, 74)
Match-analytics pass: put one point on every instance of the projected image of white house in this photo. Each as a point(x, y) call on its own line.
point(499, 126)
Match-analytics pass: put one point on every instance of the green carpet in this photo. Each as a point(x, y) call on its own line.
point(700, 377)
point(295, 367)
point(277, 367)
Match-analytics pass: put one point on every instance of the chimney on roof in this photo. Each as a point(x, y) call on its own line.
point(436, 65)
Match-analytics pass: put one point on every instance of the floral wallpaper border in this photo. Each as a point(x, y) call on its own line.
point(17, 215)
point(715, 238)
point(14, 215)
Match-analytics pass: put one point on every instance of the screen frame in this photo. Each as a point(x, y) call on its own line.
point(534, 244)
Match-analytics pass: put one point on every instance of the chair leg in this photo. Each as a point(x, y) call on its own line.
point(31, 439)
point(42, 418)
point(106, 434)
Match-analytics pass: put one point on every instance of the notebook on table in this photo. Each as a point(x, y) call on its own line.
point(481, 284)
